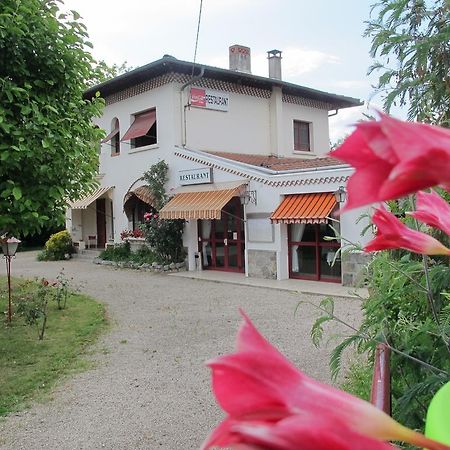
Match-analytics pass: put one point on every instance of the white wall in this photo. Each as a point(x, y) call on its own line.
point(319, 130)
point(244, 128)
point(122, 171)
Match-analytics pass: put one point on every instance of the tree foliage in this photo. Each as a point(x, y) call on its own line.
point(164, 236)
point(48, 144)
point(104, 72)
point(411, 48)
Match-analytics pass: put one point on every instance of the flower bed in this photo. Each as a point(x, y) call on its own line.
point(153, 267)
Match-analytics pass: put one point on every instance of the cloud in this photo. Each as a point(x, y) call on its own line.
point(352, 84)
point(343, 123)
point(296, 61)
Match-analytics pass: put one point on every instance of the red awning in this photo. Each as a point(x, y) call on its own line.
point(110, 135)
point(305, 208)
point(142, 123)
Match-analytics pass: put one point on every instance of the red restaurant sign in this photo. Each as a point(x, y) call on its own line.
point(209, 99)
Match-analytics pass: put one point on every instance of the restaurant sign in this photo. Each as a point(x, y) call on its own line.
point(209, 99)
point(195, 176)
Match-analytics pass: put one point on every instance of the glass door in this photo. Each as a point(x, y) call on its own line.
point(222, 242)
point(311, 256)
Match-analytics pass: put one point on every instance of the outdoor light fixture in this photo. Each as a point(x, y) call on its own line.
point(9, 247)
point(248, 197)
point(340, 195)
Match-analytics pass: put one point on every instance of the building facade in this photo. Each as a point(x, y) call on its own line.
point(247, 161)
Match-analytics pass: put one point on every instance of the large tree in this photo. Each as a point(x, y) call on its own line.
point(48, 144)
point(411, 45)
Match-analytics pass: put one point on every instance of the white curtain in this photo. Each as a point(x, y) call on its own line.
point(206, 231)
point(297, 230)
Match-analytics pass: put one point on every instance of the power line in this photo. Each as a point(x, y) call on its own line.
point(196, 39)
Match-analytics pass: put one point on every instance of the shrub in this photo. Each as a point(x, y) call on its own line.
point(165, 237)
point(59, 246)
point(121, 252)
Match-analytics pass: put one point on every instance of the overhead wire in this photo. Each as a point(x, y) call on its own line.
point(196, 38)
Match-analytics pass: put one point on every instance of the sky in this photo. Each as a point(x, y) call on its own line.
point(322, 40)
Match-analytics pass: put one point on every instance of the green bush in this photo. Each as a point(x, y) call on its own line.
point(144, 255)
point(120, 252)
point(58, 246)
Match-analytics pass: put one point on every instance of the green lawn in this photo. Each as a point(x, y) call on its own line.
point(29, 367)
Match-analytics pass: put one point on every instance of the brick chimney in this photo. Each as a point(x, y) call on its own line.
point(274, 57)
point(240, 58)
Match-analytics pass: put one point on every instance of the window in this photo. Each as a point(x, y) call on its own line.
point(302, 136)
point(142, 131)
point(311, 255)
point(115, 140)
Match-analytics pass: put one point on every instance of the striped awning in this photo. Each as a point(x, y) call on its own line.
point(200, 204)
point(84, 202)
point(142, 193)
point(305, 208)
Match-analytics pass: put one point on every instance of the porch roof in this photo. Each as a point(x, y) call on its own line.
point(84, 202)
point(200, 204)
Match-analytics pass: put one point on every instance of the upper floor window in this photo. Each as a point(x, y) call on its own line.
point(115, 141)
point(302, 139)
point(113, 138)
point(142, 131)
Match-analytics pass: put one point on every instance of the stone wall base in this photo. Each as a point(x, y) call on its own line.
point(262, 264)
point(353, 268)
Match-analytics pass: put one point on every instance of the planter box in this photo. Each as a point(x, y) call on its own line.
point(136, 243)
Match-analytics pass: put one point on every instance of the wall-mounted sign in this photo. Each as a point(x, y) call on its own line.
point(209, 99)
point(195, 176)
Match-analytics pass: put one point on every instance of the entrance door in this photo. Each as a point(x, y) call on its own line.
point(311, 256)
point(100, 207)
point(222, 242)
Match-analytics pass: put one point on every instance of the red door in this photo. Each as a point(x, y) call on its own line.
point(101, 222)
point(222, 242)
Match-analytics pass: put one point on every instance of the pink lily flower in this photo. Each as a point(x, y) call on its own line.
point(391, 233)
point(433, 210)
point(393, 158)
point(272, 405)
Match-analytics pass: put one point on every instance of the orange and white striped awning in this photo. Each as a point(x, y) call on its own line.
point(84, 202)
point(201, 204)
point(305, 208)
point(142, 193)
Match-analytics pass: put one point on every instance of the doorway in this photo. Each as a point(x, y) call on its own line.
point(100, 207)
point(311, 255)
point(222, 241)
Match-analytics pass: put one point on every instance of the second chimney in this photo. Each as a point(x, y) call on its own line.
point(240, 58)
point(274, 57)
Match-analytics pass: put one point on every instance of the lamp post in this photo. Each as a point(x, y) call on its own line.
point(9, 247)
point(340, 195)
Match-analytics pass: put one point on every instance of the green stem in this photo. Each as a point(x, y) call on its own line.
point(377, 341)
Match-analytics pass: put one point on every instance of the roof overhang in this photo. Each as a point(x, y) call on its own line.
point(169, 64)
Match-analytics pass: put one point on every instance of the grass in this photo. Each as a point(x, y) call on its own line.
point(29, 368)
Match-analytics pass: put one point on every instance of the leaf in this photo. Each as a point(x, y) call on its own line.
point(17, 192)
point(336, 355)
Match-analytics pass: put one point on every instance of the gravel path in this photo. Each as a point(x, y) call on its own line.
point(149, 388)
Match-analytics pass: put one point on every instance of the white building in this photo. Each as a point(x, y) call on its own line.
point(247, 167)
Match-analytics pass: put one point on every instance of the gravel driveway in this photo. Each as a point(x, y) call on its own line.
point(149, 388)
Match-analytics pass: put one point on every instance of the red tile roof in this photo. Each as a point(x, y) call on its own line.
point(278, 163)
